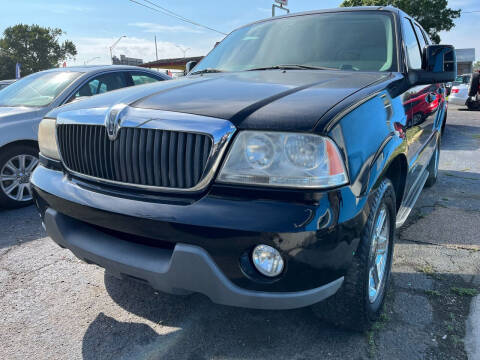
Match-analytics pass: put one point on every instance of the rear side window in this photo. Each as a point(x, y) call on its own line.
point(420, 37)
point(411, 44)
point(142, 78)
point(102, 84)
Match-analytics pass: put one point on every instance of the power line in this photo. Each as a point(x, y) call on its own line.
point(167, 12)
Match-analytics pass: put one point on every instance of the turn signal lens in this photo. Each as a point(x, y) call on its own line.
point(46, 139)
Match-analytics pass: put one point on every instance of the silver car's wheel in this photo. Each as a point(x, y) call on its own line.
point(378, 254)
point(15, 177)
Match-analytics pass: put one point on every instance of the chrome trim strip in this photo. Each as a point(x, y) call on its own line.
point(406, 208)
point(220, 130)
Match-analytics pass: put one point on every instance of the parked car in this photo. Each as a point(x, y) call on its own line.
point(24, 103)
point(5, 83)
point(272, 176)
point(423, 103)
point(473, 100)
point(459, 93)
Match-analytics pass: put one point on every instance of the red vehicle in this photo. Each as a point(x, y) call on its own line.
point(423, 103)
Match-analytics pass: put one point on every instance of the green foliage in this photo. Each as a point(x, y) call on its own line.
point(433, 292)
point(433, 15)
point(476, 65)
point(34, 47)
point(464, 291)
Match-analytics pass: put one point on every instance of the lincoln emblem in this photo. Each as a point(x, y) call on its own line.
point(112, 121)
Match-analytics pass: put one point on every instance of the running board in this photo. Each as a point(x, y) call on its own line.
point(409, 203)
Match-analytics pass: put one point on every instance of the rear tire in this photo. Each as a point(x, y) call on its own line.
point(473, 105)
point(433, 167)
point(474, 84)
point(17, 162)
point(359, 302)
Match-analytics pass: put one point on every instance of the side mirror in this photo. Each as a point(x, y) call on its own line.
point(190, 65)
point(439, 66)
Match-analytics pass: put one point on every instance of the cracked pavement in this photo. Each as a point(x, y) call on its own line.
point(53, 306)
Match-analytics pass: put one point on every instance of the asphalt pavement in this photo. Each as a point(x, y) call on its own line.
point(53, 306)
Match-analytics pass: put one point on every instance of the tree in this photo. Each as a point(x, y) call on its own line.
point(433, 15)
point(34, 47)
point(476, 65)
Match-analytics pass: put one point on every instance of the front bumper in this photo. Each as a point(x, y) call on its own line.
point(216, 232)
point(186, 268)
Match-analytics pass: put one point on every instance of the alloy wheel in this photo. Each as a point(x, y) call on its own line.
point(379, 254)
point(15, 177)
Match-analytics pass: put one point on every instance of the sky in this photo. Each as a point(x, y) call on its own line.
point(94, 25)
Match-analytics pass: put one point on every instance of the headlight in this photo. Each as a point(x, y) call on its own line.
point(283, 159)
point(46, 139)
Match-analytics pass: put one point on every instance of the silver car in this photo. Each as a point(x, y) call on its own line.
point(459, 93)
point(5, 83)
point(24, 103)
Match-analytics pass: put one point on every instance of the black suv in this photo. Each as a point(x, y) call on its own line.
point(272, 176)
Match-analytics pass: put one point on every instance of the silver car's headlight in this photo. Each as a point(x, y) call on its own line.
point(283, 159)
point(46, 139)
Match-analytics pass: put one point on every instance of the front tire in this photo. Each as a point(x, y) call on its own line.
point(358, 303)
point(17, 163)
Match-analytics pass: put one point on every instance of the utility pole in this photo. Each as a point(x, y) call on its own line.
point(115, 44)
point(281, 4)
point(156, 50)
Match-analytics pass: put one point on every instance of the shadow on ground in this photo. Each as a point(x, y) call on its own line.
point(200, 329)
point(420, 310)
point(19, 226)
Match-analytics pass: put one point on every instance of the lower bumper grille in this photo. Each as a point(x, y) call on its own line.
point(149, 157)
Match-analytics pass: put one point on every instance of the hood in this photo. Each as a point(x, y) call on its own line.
point(8, 114)
point(270, 99)
point(6, 111)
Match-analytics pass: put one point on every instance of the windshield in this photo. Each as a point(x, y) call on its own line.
point(37, 90)
point(359, 40)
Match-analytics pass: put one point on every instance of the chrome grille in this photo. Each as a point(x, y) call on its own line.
point(138, 156)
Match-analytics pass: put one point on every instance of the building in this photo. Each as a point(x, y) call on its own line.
point(174, 64)
point(126, 61)
point(465, 60)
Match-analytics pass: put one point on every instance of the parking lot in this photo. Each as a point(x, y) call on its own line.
point(52, 306)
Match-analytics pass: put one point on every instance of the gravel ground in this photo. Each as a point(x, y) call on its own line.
point(52, 306)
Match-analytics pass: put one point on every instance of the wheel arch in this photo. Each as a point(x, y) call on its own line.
point(395, 170)
point(9, 145)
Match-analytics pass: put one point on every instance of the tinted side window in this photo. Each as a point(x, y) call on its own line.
point(142, 78)
point(103, 83)
point(427, 38)
point(411, 44)
point(420, 37)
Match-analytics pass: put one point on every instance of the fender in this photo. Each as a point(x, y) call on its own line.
point(367, 138)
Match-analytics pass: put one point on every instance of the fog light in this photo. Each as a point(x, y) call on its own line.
point(267, 260)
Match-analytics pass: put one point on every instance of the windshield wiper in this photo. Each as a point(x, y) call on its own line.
point(206, 71)
point(292, 67)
